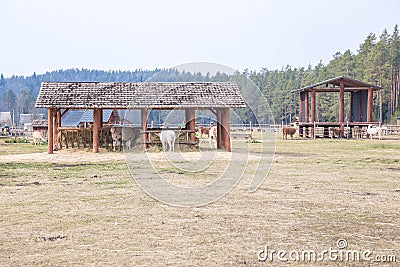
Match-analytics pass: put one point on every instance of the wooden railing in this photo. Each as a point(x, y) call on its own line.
point(83, 137)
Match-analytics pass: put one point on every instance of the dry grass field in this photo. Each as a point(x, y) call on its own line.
point(80, 208)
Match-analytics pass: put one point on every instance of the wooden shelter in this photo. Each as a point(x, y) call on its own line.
point(361, 103)
point(59, 97)
point(40, 125)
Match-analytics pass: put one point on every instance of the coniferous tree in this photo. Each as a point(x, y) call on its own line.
point(2, 81)
point(10, 100)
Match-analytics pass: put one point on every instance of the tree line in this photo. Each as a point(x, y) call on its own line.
point(377, 61)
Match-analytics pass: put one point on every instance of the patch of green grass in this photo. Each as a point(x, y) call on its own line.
point(253, 141)
point(20, 148)
point(16, 141)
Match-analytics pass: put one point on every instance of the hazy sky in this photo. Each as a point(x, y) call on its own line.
point(44, 35)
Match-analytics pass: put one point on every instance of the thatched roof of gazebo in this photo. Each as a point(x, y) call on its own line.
point(150, 95)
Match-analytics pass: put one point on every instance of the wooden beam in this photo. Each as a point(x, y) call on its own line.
point(313, 106)
point(191, 114)
point(307, 115)
point(144, 128)
point(65, 111)
point(313, 111)
point(50, 131)
point(337, 89)
point(369, 104)
point(55, 126)
point(226, 140)
point(301, 107)
point(341, 102)
point(213, 111)
point(96, 128)
point(219, 128)
point(58, 125)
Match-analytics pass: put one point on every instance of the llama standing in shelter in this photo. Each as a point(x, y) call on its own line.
point(167, 138)
point(212, 135)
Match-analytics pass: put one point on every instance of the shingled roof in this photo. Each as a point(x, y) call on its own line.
point(39, 123)
point(125, 95)
point(333, 84)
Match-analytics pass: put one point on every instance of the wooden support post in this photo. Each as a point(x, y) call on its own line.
point(341, 102)
point(301, 112)
point(96, 128)
point(313, 112)
point(144, 128)
point(50, 124)
point(219, 128)
point(369, 104)
point(191, 114)
point(55, 127)
point(301, 107)
point(341, 108)
point(226, 141)
point(307, 115)
point(313, 106)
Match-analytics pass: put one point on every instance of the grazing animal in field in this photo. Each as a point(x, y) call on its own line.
point(167, 137)
point(288, 131)
point(37, 138)
point(336, 132)
point(123, 136)
point(374, 130)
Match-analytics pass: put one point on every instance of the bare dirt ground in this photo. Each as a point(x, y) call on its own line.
point(80, 208)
